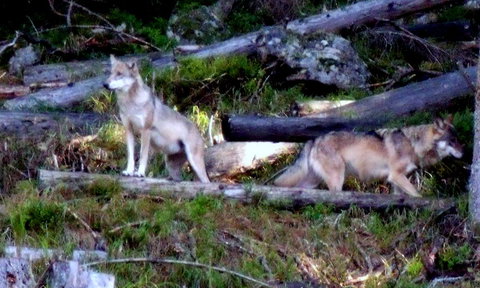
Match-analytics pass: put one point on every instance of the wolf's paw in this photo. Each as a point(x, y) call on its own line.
point(127, 173)
point(139, 174)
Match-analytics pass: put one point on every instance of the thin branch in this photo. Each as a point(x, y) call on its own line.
point(171, 261)
point(122, 33)
point(13, 42)
point(132, 224)
point(52, 6)
point(69, 12)
point(91, 12)
point(95, 235)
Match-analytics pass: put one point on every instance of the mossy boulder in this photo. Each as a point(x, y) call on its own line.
point(323, 57)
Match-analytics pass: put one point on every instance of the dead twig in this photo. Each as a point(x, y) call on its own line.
point(128, 225)
point(13, 42)
point(97, 237)
point(180, 262)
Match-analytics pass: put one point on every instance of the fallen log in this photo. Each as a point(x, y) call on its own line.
point(12, 91)
point(331, 21)
point(59, 98)
point(232, 158)
point(35, 254)
point(304, 108)
point(365, 114)
point(290, 129)
point(434, 93)
point(361, 13)
point(31, 124)
point(289, 197)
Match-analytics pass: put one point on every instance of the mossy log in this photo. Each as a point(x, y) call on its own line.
point(284, 197)
point(365, 114)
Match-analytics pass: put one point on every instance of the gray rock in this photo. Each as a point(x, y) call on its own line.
point(23, 57)
point(323, 57)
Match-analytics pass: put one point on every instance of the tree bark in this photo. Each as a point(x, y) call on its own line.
point(365, 114)
point(289, 197)
point(361, 13)
point(59, 98)
point(304, 108)
point(475, 168)
point(430, 94)
point(35, 254)
point(34, 124)
point(232, 158)
point(293, 129)
point(12, 91)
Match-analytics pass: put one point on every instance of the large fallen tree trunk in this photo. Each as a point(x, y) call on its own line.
point(232, 158)
point(430, 94)
point(290, 197)
point(62, 97)
point(365, 114)
point(331, 21)
point(361, 13)
point(293, 129)
point(31, 124)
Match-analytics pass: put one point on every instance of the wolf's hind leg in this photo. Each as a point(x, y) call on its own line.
point(174, 163)
point(330, 167)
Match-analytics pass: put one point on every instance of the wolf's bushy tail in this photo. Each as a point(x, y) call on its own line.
point(296, 173)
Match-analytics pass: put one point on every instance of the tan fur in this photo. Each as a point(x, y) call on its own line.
point(159, 127)
point(390, 154)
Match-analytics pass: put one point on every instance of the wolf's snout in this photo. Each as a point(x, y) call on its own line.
point(105, 84)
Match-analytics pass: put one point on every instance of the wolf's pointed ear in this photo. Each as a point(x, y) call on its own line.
point(113, 60)
point(439, 124)
point(133, 66)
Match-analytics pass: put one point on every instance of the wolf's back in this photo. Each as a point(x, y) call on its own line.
point(296, 172)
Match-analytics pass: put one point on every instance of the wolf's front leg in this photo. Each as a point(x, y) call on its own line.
point(144, 148)
point(404, 184)
point(130, 150)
